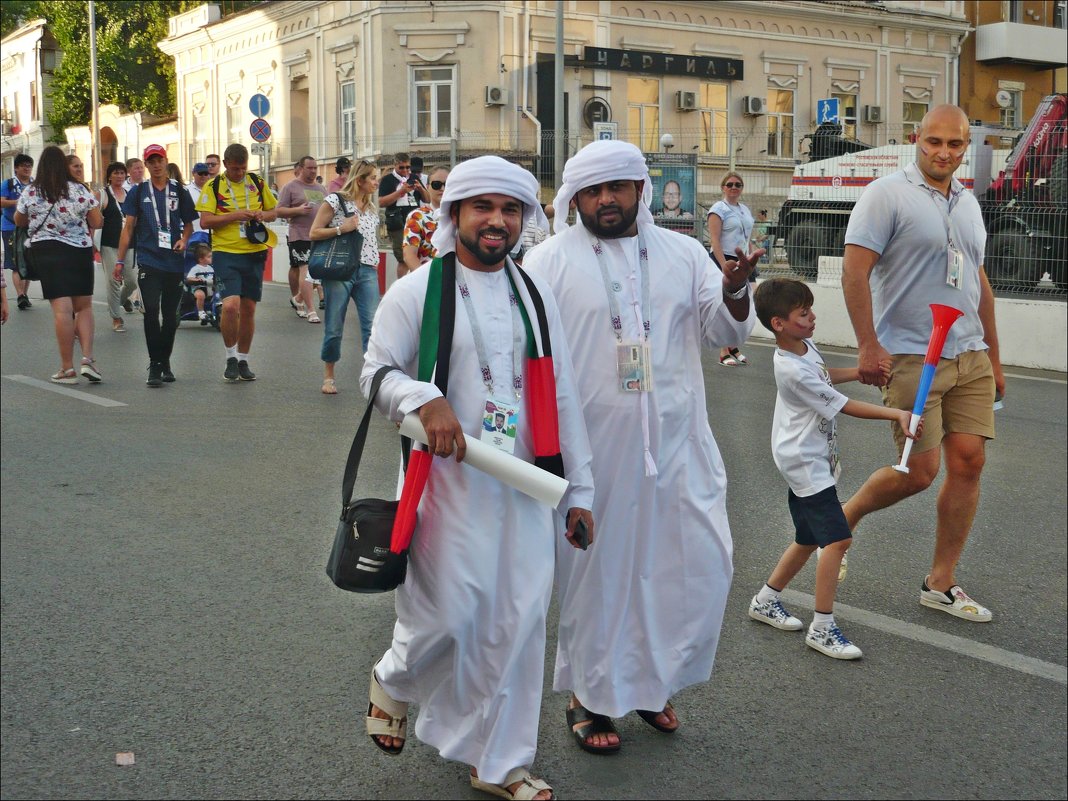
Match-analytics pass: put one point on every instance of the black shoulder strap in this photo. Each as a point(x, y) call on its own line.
point(447, 322)
point(352, 464)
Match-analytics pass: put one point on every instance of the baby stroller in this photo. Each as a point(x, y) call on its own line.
point(187, 306)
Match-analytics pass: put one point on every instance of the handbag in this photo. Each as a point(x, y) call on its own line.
point(336, 259)
point(361, 560)
point(23, 253)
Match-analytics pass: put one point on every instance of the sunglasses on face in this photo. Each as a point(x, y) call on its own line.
point(204, 173)
point(437, 184)
point(404, 167)
point(733, 185)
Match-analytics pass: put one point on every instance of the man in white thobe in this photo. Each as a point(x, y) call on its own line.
point(640, 613)
point(469, 643)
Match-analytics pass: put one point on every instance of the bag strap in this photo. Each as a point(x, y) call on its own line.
point(341, 202)
point(352, 464)
point(40, 225)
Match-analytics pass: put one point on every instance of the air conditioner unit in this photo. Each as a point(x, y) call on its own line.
point(496, 96)
point(686, 101)
point(754, 106)
point(873, 114)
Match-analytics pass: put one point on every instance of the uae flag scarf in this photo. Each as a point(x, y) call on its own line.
point(435, 348)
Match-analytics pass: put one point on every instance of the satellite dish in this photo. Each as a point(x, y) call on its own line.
point(1003, 98)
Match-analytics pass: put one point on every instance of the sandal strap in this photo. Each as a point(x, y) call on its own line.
point(381, 699)
point(526, 791)
point(594, 723)
point(387, 728)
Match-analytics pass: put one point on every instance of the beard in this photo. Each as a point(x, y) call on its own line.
point(610, 230)
point(488, 257)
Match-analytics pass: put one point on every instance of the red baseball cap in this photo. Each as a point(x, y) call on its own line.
point(154, 150)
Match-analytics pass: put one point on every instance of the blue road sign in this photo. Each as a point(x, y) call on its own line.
point(259, 105)
point(827, 111)
point(260, 130)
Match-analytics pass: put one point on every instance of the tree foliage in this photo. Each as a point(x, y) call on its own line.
point(132, 72)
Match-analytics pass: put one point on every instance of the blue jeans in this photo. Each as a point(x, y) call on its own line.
point(363, 289)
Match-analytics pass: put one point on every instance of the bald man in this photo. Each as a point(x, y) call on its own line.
point(916, 237)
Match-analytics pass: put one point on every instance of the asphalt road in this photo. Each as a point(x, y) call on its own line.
point(163, 593)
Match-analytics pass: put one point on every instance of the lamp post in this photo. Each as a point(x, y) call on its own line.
point(667, 141)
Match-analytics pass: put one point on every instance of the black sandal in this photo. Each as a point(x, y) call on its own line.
point(594, 724)
point(650, 718)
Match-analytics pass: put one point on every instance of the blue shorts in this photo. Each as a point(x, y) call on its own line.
point(818, 519)
point(239, 274)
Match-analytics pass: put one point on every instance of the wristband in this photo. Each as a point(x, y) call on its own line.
point(120, 261)
point(338, 229)
point(737, 294)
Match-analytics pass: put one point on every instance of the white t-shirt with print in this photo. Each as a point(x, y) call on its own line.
point(803, 438)
point(67, 222)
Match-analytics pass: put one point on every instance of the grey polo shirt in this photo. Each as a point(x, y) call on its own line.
point(902, 218)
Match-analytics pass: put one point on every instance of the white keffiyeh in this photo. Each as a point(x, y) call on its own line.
point(600, 161)
point(486, 175)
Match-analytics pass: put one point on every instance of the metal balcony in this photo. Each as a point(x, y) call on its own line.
point(1015, 43)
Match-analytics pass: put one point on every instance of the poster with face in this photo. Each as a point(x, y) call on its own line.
point(674, 182)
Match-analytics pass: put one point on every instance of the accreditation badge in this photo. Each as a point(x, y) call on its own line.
point(500, 422)
point(165, 240)
point(954, 267)
point(634, 366)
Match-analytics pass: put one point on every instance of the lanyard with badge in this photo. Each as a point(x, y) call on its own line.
point(954, 256)
point(634, 361)
point(233, 197)
point(500, 413)
point(163, 232)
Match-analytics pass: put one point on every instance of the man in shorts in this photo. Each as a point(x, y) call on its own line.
point(916, 237)
point(298, 201)
point(234, 206)
point(9, 199)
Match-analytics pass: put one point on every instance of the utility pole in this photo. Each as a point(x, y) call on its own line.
point(97, 171)
point(559, 150)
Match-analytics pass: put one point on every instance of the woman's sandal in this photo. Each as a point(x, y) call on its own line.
point(68, 376)
point(313, 317)
point(593, 724)
point(397, 724)
point(739, 356)
point(728, 360)
point(329, 387)
point(529, 788)
point(650, 718)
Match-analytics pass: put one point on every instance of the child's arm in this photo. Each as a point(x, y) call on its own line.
point(870, 411)
point(841, 375)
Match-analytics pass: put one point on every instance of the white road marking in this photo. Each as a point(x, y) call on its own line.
point(939, 639)
point(64, 390)
point(837, 352)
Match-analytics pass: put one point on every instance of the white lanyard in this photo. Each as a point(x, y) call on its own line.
point(233, 196)
point(612, 288)
point(518, 336)
point(170, 194)
point(945, 214)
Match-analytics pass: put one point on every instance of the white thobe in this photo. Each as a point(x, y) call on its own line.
point(469, 643)
point(641, 610)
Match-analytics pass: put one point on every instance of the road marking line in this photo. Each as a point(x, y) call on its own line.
point(834, 350)
point(939, 639)
point(62, 390)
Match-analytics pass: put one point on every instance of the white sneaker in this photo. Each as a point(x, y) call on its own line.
point(774, 614)
point(832, 642)
point(843, 569)
point(202, 315)
point(956, 602)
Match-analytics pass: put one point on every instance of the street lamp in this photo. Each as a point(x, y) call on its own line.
point(667, 141)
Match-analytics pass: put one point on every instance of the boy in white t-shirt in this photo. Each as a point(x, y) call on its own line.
point(805, 447)
point(201, 277)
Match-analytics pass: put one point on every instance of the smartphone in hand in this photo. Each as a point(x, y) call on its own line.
point(582, 534)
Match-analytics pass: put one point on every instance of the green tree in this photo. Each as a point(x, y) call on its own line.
point(132, 72)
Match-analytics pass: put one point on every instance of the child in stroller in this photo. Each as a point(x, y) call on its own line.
point(200, 301)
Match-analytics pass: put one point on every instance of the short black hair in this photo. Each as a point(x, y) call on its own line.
point(23, 158)
point(777, 297)
point(342, 165)
point(114, 167)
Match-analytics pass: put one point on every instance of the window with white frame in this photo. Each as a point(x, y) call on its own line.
point(911, 114)
point(347, 116)
point(643, 113)
point(201, 119)
point(712, 108)
point(781, 123)
point(434, 101)
point(1012, 114)
point(233, 124)
point(847, 113)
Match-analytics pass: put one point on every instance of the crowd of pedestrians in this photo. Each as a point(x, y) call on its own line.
point(591, 340)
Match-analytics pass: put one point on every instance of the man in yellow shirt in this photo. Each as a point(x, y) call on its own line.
point(234, 206)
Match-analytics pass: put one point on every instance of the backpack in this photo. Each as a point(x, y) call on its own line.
point(256, 180)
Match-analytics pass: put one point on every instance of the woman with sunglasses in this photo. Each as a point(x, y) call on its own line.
point(730, 225)
point(422, 223)
point(357, 200)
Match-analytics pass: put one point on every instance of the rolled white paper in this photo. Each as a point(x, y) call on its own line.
point(523, 476)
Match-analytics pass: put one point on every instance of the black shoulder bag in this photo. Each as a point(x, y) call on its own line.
point(22, 255)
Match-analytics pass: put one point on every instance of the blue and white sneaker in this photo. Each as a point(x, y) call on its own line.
point(832, 642)
point(774, 614)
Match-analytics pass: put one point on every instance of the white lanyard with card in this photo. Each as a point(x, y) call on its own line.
point(500, 413)
point(163, 231)
point(634, 363)
point(954, 256)
point(233, 197)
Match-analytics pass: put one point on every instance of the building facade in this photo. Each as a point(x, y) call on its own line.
point(734, 83)
point(28, 58)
